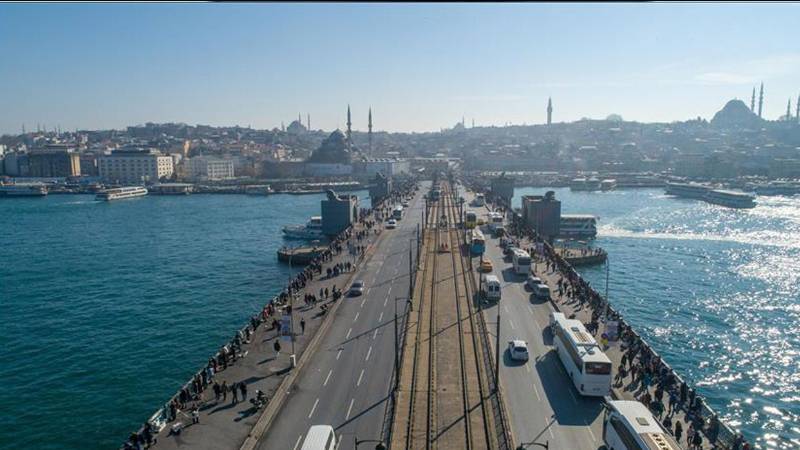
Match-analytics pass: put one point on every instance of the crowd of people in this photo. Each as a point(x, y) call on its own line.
point(190, 396)
point(648, 377)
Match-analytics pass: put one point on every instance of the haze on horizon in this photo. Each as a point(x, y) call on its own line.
point(420, 67)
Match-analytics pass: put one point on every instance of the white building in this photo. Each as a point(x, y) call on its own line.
point(386, 166)
point(205, 168)
point(134, 166)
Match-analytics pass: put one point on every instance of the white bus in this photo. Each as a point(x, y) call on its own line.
point(588, 367)
point(495, 220)
point(629, 425)
point(320, 437)
point(397, 214)
point(479, 200)
point(522, 262)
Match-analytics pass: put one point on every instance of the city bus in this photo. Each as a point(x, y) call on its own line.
point(629, 425)
point(397, 214)
point(477, 243)
point(522, 262)
point(471, 220)
point(585, 363)
point(479, 200)
point(495, 220)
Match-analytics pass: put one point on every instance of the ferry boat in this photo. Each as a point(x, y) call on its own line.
point(730, 199)
point(23, 190)
point(688, 190)
point(579, 226)
point(777, 188)
point(121, 193)
point(608, 184)
point(584, 184)
point(311, 230)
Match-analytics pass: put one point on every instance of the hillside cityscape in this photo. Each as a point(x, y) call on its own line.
point(736, 143)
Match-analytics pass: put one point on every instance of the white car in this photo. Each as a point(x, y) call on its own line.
point(391, 224)
point(405, 204)
point(357, 288)
point(533, 281)
point(518, 350)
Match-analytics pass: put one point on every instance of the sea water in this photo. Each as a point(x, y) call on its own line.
point(109, 307)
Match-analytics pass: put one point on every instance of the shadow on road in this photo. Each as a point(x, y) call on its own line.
point(570, 408)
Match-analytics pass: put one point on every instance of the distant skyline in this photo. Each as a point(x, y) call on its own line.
point(419, 67)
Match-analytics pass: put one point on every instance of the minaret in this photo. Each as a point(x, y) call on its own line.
point(753, 101)
point(789, 110)
point(369, 132)
point(473, 123)
point(283, 128)
point(761, 100)
point(308, 116)
point(349, 125)
point(299, 118)
point(797, 109)
point(549, 110)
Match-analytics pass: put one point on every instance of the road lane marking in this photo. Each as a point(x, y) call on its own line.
point(380, 317)
point(356, 317)
point(367, 293)
point(328, 377)
point(390, 291)
point(313, 408)
point(573, 396)
point(349, 409)
point(385, 301)
point(362, 302)
point(369, 352)
point(528, 368)
point(375, 334)
point(360, 377)
point(512, 325)
point(348, 333)
point(536, 391)
point(298, 442)
point(551, 432)
point(338, 354)
point(505, 308)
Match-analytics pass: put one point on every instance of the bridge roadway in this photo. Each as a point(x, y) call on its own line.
point(347, 382)
point(542, 403)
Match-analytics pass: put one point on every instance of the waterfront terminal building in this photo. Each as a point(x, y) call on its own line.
point(134, 166)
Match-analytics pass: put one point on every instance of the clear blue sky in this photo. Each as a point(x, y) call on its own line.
point(420, 67)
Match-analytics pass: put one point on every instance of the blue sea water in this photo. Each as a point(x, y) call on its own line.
point(714, 290)
point(108, 308)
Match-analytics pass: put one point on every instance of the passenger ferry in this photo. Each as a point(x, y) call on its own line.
point(121, 193)
point(23, 190)
point(730, 199)
point(777, 188)
point(579, 226)
point(311, 230)
point(688, 190)
point(630, 425)
point(584, 184)
point(608, 184)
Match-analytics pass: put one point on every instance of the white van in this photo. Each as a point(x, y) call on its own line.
point(320, 437)
point(541, 291)
point(491, 287)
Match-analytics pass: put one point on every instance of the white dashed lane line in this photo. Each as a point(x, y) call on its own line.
point(313, 408)
point(327, 378)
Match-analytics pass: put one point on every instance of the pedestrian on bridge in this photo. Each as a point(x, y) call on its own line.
point(303, 325)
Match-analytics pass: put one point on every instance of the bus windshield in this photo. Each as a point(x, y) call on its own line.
point(597, 368)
